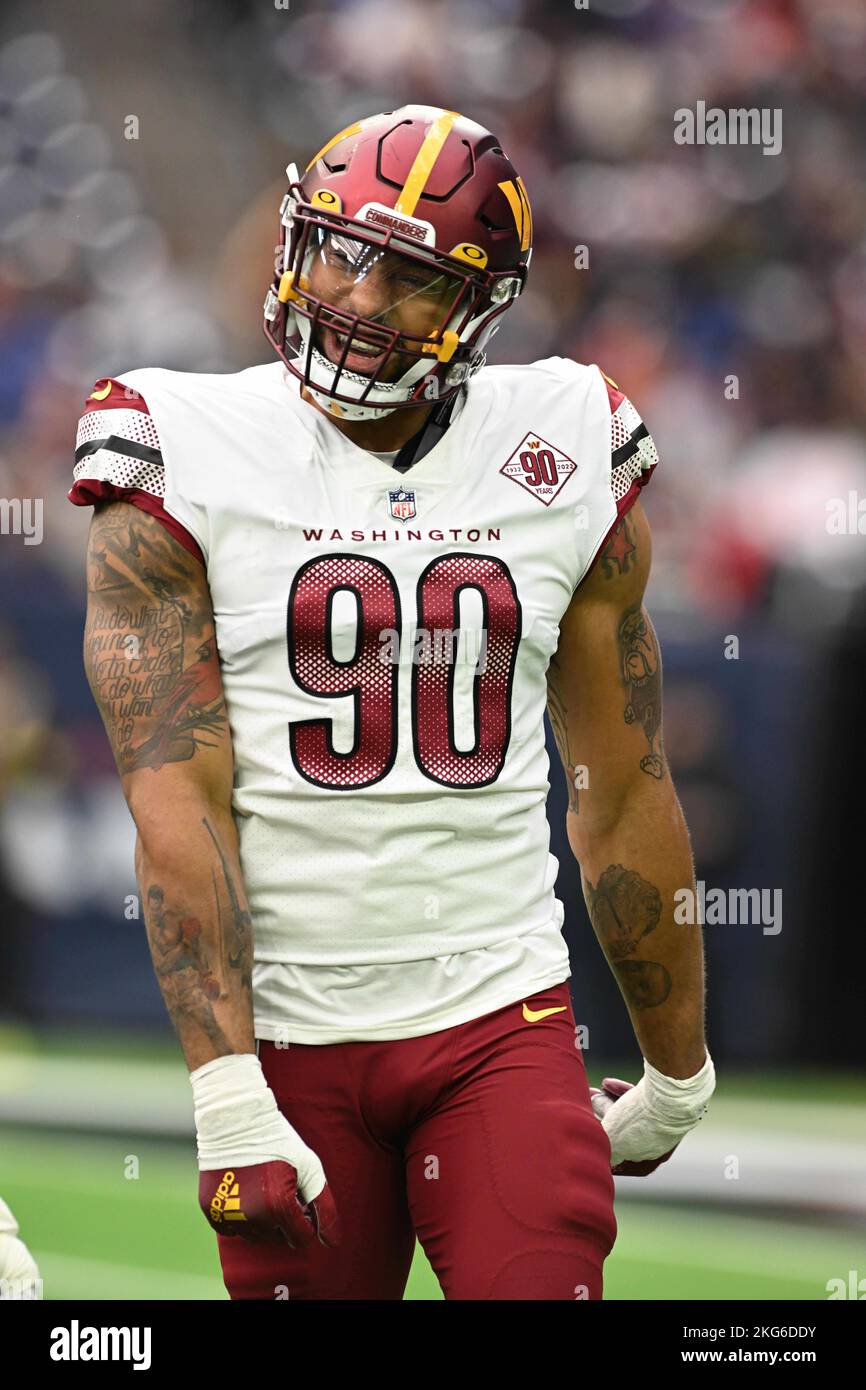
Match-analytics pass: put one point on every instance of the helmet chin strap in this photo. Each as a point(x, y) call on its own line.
point(349, 381)
point(425, 439)
point(347, 410)
point(429, 434)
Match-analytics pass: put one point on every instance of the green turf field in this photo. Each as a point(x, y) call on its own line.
point(98, 1232)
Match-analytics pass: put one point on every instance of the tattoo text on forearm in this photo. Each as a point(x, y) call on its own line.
point(138, 632)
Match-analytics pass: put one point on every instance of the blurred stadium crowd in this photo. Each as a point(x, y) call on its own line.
point(142, 149)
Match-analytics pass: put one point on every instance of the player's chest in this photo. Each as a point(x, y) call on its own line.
point(403, 521)
point(345, 567)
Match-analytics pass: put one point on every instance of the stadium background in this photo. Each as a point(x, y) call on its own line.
point(142, 146)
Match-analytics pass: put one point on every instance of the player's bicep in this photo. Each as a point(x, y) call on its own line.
point(604, 682)
point(151, 659)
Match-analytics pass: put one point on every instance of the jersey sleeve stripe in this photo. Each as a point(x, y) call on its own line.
point(136, 425)
point(633, 454)
point(113, 443)
point(109, 464)
point(630, 447)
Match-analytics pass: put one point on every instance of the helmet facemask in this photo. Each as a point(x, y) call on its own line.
point(372, 322)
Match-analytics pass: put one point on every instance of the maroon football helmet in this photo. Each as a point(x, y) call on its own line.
point(407, 237)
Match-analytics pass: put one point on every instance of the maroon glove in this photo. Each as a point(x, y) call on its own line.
point(602, 1100)
point(261, 1203)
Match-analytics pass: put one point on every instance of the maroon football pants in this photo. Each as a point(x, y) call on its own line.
point(479, 1139)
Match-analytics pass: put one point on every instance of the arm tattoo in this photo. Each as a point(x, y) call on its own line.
point(624, 908)
point(237, 935)
point(559, 723)
point(641, 669)
point(184, 967)
point(619, 555)
point(150, 652)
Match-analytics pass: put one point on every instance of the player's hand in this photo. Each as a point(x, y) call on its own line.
point(257, 1177)
point(646, 1122)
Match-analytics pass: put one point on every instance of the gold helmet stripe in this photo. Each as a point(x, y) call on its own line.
point(422, 166)
point(350, 130)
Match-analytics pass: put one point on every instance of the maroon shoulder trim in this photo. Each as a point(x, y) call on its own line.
point(109, 394)
point(614, 395)
point(89, 491)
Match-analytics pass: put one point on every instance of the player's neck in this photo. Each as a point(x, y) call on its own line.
point(380, 436)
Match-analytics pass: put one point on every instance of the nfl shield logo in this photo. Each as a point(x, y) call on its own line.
point(401, 505)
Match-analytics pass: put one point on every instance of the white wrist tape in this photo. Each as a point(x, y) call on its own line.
point(656, 1113)
point(238, 1122)
point(679, 1100)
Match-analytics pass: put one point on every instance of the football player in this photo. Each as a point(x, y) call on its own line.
point(329, 600)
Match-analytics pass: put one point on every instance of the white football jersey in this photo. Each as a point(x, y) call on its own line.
point(384, 639)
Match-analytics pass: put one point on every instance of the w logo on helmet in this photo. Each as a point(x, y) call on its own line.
point(519, 204)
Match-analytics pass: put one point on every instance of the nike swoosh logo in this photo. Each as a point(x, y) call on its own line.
point(100, 395)
point(533, 1015)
